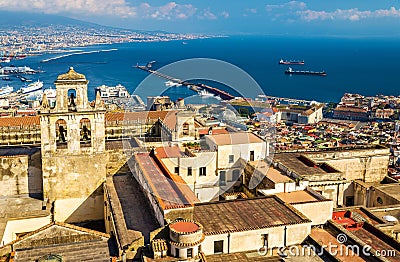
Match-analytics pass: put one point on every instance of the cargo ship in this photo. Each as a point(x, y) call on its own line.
point(290, 71)
point(291, 62)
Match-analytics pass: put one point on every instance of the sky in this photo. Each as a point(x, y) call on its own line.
point(313, 17)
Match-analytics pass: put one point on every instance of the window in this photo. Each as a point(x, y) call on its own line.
point(251, 155)
point(185, 129)
point(176, 170)
point(231, 158)
point(190, 252)
point(349, 201)
point(222, 178)
point(189, 171)
point(379, 200)
point(235, 175)
point(218, 246)
point(203, 171)
point(264, 238)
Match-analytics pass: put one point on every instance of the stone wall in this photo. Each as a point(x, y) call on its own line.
point(14, 175)
point(369, 165)
point(253, 239)
point(335, 190)
point(21, 175)
point(74, 183)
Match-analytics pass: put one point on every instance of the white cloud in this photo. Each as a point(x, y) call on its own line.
point(296, 9)
point(353, 14)
point(169, 11)
point(225, 14)
point(207, 14)
point(120, 8)
point(90, 7)
point(251, 10)
point(292, 5)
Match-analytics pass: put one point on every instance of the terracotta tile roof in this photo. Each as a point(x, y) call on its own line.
point(168, 117)
point(351, 109)
point(171, 192)
point(324, 237)
point(215, 131)
point(169, 152)
point(378, 241)
point(235, 138)
point(120, 116)
point(24, 121)
point(159, 245)
point(245, 214)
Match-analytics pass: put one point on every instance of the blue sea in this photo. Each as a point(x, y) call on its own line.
point(368, 66)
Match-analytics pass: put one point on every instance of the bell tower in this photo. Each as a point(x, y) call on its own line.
point(73, 150)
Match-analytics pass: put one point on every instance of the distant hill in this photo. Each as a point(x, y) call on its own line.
point(9, 18)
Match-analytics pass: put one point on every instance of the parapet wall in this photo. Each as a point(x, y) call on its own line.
point(369, 165)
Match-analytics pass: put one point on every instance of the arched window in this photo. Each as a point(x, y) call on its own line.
point(72, 100)
point(61, 134)
point(85, 132)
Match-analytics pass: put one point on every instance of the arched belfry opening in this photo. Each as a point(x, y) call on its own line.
point(73, 151)
point(72, 100)
point(61, 134)
point(85, 132)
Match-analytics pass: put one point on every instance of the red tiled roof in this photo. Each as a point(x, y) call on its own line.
point(215, 131)
point(170, 151)
point(19, 121)
point(235, 138)
point(120, 116)
point(168, 117)
point(184, 227)
point(350, 109)
point(170, 192)
point(245, 214)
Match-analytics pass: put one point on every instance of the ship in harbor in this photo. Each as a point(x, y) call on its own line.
point(118, 91)
point(20, 70)
point(173, 83)
point(291, 62)
point(290, 71)
point(35, 86)
point(204, 93)
point(6, 90)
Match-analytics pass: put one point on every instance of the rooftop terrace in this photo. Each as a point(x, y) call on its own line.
point(302, 165)
point(296, 197)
